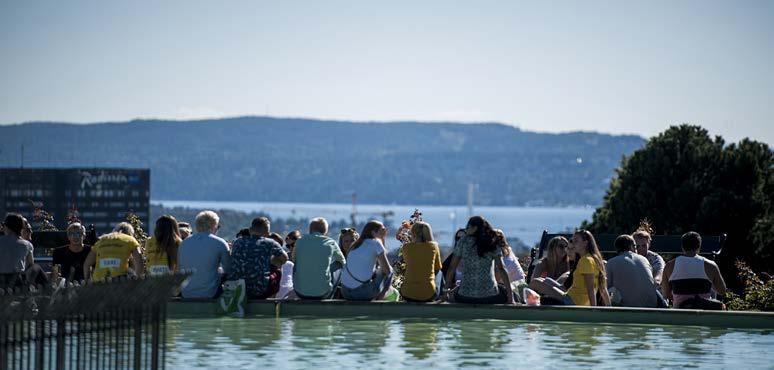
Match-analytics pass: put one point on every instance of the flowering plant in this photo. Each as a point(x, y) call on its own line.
point(41, 217)
point(404, 237)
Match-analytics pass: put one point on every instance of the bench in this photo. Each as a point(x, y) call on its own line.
point(711, 246)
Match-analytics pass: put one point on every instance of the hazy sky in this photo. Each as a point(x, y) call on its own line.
point(613, 66)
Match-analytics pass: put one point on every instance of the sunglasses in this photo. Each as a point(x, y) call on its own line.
point(348, 230)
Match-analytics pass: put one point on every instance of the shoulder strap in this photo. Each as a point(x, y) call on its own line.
point(346, 267)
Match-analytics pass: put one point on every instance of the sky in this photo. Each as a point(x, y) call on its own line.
point(558, 66)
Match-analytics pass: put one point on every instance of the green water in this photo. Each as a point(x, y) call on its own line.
point(305, 343)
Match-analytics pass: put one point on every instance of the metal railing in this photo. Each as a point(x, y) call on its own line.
point(118, 324)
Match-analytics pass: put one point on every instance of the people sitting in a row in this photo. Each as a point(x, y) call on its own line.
point(481, 269)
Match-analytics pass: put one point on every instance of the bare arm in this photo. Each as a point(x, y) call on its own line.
point(589, 280)
point(500, 269)
point(279, 259)
point(29, 260)
point(716, 277)
point(538, 271)
point(91, 259)
point(658, 270)
point(384, 264)
point(665, 288)
point(455, 261)
point(604, 294)
point(139, 264)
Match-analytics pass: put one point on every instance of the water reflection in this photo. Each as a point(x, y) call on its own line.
point(367, 342)
point(420, 337)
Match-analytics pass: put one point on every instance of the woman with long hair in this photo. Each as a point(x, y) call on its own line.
point(367, 273)
point(423, 261)
point(161, 249)
point(347, 237)
point(556, 263)
point(588, 277)
point(482, 256)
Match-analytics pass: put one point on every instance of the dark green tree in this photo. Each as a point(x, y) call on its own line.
point(683, 180)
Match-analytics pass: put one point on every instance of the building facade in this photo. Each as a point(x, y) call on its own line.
point(99, 196)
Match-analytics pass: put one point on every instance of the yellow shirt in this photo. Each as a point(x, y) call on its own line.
point(423, 260)
point(156, 259)
point(113, 251)
point(586, 265)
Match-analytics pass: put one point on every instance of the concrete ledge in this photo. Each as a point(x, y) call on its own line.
point(179, 308)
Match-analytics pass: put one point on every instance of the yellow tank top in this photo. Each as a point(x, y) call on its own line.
point(156, 260)
point(113, 251)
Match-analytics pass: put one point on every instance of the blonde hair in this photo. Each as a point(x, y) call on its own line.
point(206, 221)
point(76, 225)
point(421, 232)
point(124, 228)
point(318, 225)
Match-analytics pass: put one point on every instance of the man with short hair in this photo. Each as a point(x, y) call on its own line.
point(642, 241)
point(14, 252)
point(691, 278)
point(252, 258)
point(318, 261)
point(71, 257)
point(202, 253)
point(631, 276)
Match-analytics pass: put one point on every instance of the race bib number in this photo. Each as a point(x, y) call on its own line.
point(109, 263)
point(158, 270)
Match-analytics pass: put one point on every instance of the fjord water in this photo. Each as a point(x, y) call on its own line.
point(525, 223)
point(301, 342)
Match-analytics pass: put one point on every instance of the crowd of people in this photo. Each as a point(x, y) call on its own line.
point(481, 269)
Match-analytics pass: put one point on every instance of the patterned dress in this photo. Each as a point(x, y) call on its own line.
point(251, 261)
point(478, 278)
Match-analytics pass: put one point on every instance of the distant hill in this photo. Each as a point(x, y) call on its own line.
point(302, 160)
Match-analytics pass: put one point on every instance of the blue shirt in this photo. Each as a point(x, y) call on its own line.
point(251, 261)
point(314, 254)
point(203, 253)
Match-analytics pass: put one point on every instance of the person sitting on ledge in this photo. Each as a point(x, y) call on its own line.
point(510, 262)
point(252, 258)
point(479, 251)
point(110, 255)
point(631, 277)
point(162, 248)
point(691, 278)
point(642, 241)
point(318, 261)
point(286, 283)
point(588, 278)
point(70, 258)
point(423, 262)
point(555, 265)
point(201, 254)
point(347, 237)
point(367, 274)
point(14, 252)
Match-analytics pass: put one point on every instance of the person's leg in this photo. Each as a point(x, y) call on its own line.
point(547, 289)
point(383, 283)
point(35, 275)
point(335, 271)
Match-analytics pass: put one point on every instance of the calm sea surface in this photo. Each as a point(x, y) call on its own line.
point(525, 223)
point(308, 343)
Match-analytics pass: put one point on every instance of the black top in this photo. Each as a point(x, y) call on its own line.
point(71, 262)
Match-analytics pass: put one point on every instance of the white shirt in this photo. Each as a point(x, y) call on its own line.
point(286, 283)
point(361, 262)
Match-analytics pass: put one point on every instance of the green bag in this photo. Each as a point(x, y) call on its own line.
point(392, 295)
point(232, 301)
